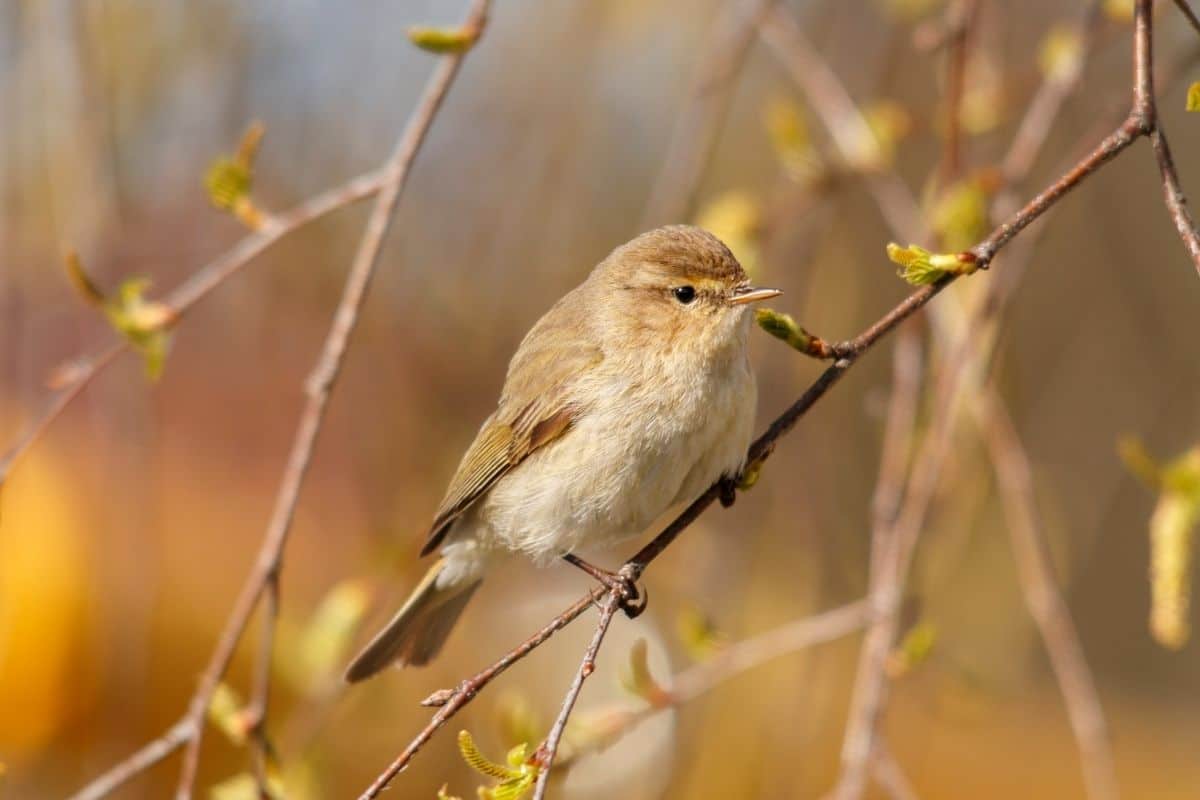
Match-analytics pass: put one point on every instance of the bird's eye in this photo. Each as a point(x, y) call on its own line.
point(684, 294)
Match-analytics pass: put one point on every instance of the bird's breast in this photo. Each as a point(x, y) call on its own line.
point(649, 438)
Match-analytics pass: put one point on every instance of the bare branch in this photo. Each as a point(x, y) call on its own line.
point(265, 575)
point(694, 137)
point(1039, 588)
point(151, 753)
point(546, 753)
point(451, 701)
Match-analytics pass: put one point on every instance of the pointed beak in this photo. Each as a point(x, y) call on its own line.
point(752, 294)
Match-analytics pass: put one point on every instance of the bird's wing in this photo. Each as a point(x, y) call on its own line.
point(536, 407)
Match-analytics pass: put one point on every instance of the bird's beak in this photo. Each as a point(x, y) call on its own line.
point(752, 294)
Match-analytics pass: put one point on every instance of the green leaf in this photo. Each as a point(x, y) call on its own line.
point(229, 179)
point(443, 40)
point(919, 267)
point(143, 322)
point(1193, 97)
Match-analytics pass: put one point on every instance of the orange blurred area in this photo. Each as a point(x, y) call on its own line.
point(127, 531)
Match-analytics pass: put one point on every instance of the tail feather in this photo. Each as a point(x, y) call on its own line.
point(419, 629)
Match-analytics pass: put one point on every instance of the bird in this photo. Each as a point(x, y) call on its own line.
point(633, 394)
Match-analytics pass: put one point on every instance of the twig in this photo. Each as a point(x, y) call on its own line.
point(1035, 571)
point(150, 754)
point(265, 576)
point(958, 49)
point(546, 753)
point(847, 353)
point(1186, 10)
point(848, 129)
point(694, 137)
point(1145, 110)
point(731, 661)
point(451, 701)
point(81, 375)
point(191, 292)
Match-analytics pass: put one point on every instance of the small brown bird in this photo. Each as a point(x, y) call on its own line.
point(631, 395)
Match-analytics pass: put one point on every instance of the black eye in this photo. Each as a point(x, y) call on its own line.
point(684, 294)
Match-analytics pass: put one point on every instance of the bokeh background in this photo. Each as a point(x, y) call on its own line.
point(126, 533)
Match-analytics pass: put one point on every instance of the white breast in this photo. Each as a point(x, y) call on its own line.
point(633, 455)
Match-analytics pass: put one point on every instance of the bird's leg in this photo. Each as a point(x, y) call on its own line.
point(633, 600)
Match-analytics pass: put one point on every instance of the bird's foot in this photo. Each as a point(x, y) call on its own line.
point(633, 600)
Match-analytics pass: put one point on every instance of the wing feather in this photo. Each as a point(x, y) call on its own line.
point(536, 408)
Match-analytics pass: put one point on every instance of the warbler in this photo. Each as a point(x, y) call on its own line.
point(632, 394)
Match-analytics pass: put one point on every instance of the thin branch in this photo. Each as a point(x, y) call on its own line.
point(265, 574)
point(549, 749)
point(451, 701)
point(1043, 109)
point(694, 137)
point(848, 129)
point(730, 662)
point(1035, 571)
point(191, 292)
point(81, 375)
point(319, 388)
point(1186, 10)
point(1146, 111)
point(151, 753)
point(887, 773)
point(962, 16)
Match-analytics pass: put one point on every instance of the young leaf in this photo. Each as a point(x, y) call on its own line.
point(229, 179)
point(516, 777)
point(638, 681)
point(914, 649)
point(919, 267)
point(1193, 97)
point(227, 713)
point(443, 40)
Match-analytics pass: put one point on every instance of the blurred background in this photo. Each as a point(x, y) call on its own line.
point(127, 531)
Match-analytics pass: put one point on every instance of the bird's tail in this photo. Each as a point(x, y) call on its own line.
point(419, 629)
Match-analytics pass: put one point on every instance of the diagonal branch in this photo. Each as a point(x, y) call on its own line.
point(264, 577)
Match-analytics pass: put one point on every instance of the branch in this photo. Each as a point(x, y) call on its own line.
point(694, 137)
point(545, 754)
point(202, 283)
point(451, 701)
point(1145, 110)
point(264, 577)
point(1035, 571)
point(150, 754)
point(730, 662)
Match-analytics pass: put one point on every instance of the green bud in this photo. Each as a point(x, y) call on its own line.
point(443, 40)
